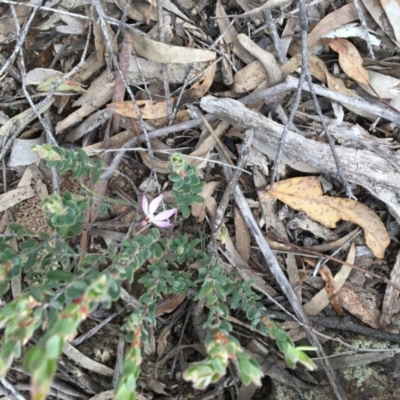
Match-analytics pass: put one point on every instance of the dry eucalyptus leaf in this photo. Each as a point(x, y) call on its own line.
point(55, 17)
point(138, 10)
point(242, 236)
point(350, 31)
point(13, 197)
point(305, 194)
point(200, 156)
point(199, 88)
point(116, 141)
point(165, 53)
point(21, 152)
point(74, 26)
point(18, 119)
point(321, 299)
point(385, 85)
point(333, 20)
point(225, 27)
point(169, 304)
point(268, 5)
point(236, 260)
point(148, 109)
point(249, 77)
point(68, 86)
point(199, 209)
point(317, 68)
point(377, 12)
point(7, 21)
point(360, 302)
point(161, 162)
point(266, 58)
point(229, 33)
point(170, 6)
point(99, 93)
point(145, 71)
point(350, 60)
point(99, 39)
point(392, 10)
point(38, 75)
point(86, 362)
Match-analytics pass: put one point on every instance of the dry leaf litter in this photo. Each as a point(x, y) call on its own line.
point(199, 79)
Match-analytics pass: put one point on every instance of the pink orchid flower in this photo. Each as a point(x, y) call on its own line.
point(149, 210)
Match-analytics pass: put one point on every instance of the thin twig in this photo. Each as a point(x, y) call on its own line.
point(12, 389)
point(365, 28)
point(46, 100)
point(323, 260)
point(49, 135)
point(152, 135)
point(188, 81)
point(21, 37)
point(119, 361)
point(44, 121)
point(284, 284)
point(343, 325)
point(305, 73)
point(60, 52)
point(3, 161)
point(80, 339)
point(140, 120)
point(223, 204)
point(161, 32)
point(110, 20)
point(11, 70)
point(304, 61)
point(292, 83)
point(275, 37)
point(183, 330)
point(55, 176)
point(282, 140)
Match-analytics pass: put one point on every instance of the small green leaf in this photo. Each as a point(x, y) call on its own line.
point(67, 86)
point(54, 346)
point(204, 291)
point(59, 275)
point(28, 244)
point(33, 359)
point(76, 290)
point(185, 210)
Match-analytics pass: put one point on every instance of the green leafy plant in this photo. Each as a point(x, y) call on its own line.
point(186, 184)
point(65, 214)
point(64, 287)
point(69, 160)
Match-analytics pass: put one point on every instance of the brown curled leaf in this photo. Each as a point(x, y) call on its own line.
point(305, 194)
point(350, 60)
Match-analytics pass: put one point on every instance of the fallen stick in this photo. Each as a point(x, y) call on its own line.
point(362, 167)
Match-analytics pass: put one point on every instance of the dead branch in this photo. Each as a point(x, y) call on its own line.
point(362, 167)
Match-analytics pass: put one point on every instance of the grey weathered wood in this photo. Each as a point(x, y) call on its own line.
point(363, 167)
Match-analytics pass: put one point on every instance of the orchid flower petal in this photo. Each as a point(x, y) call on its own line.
point(164, 215)
point(162, 224)
point(154, 204)
point(145, 206)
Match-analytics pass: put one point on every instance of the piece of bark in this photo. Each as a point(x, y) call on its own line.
point(391, 297)
point(99, 93)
